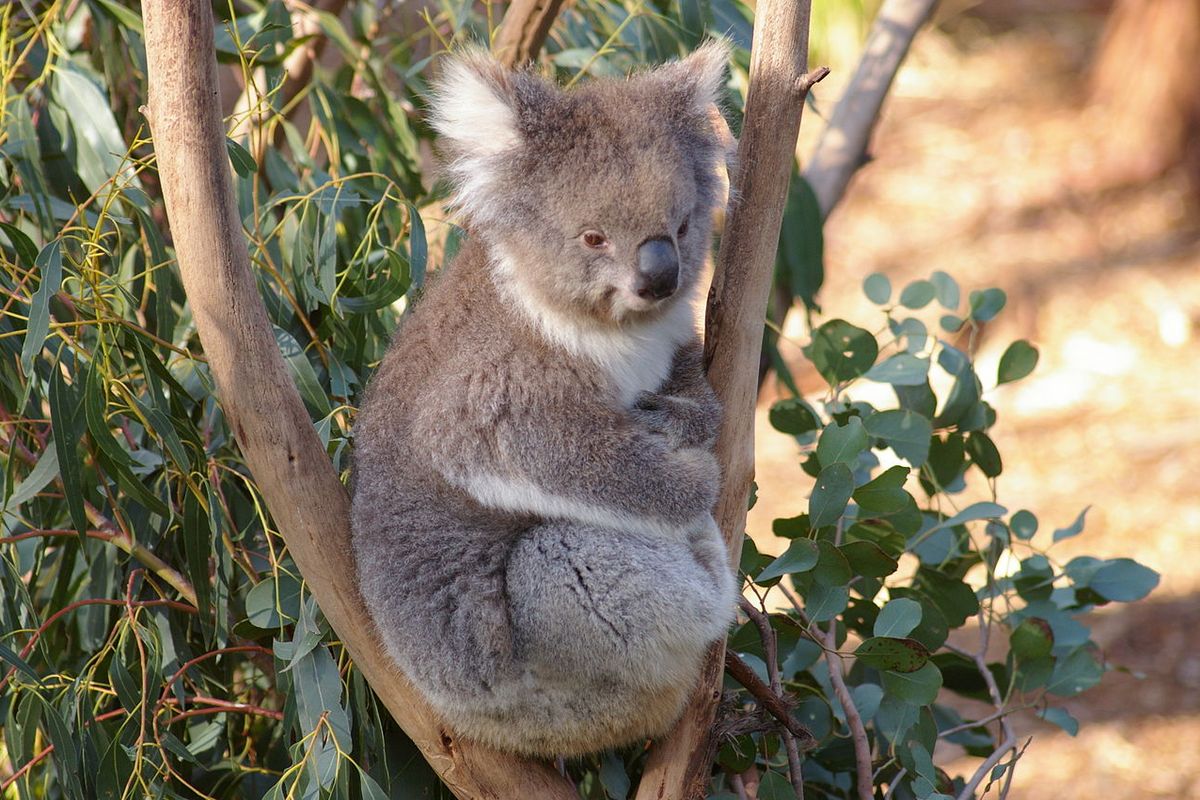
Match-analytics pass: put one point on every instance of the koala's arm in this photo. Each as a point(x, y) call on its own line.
point(685, 409)
point(587, 462)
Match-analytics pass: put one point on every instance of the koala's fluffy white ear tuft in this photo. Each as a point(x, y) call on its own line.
point(701, 75)
point(473, 111)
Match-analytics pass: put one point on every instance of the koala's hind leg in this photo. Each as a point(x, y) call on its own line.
point(619, 621)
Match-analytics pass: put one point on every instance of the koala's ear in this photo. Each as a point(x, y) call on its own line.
point(473, 106)
point(700, 77)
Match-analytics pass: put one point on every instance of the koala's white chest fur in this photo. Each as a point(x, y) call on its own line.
point(637, 358)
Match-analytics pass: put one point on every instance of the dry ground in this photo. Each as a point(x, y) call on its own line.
point(990, 165)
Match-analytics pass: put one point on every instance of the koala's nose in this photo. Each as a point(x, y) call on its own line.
point(658, 269)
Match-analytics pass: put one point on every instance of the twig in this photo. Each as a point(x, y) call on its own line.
point(771, 647)
point(770, 702)
point(987, 766)
point(858, 732)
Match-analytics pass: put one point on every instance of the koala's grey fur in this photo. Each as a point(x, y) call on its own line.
point(534, 475)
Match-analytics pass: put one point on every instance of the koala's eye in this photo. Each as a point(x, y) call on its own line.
point(594, 240)
point(683, 229)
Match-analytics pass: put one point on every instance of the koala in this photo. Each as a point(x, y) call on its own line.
point(534, 475)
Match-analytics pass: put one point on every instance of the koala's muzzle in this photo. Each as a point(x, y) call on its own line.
point(658, 269)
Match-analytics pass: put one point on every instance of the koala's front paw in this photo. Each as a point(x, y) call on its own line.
point(684, 422)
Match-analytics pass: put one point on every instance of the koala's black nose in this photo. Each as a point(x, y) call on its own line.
point(658, 269)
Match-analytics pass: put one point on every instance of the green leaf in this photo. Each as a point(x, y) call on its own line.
point(1062, 718)
point(950, 323)
point(1123, 580)
point(25, 248)
point(986, 304)
point(884, 494)
point(800, 256)
point(274, 602)
point(868, 559)
point(955, 599)
point(1074, 529)
point(841, 444)
point(1032, 639)
point(42, 473)
point(1079, 670)
point(243, 163)
point(614, 777)
point(1018, 361)
point(946, 288)
point(774, 786)
point(917, 294)
point(418, 247)
point(1023, 524)
point(67, 434)
point(877, 288)
point(793, 416)
point(303, 374)
point(841, 352)
point(898, 618)
point(902, 369)
point(832, 567)
point(737, 754)
point(901, 655)
point(792, 527)
point(919, 687)
point(49, 266)
point(830, 495)
point(801, 556)
point(984, 454)
point(906, 432)
point(822, 603)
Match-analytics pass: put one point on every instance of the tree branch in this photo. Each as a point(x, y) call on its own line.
point(262, 405)
point(679, 766)
point(524, 30)
point(842, 148)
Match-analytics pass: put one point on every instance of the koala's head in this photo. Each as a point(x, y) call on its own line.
point(597, 199)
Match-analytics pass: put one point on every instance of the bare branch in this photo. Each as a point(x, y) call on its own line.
point(679, 765)
point(842, 147)
point(864, 777)
point(262, 405)
point(772, 702)
point(524, 30)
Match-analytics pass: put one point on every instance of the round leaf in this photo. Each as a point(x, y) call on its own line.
point(902, 369)
point(985, 305)
point(877, 288)
point(917, 294)
point(842, 443)
point(898, 617)
point(906, 432)
point(793, 416)
point(1123, 580)
point(1032, 639)
point(1024, 524)
point(841, 352)
point(1018, 361)
point(919, 687)
point(801, 556)
point(947, 289)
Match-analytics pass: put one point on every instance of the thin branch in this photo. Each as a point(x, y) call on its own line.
point(768, 700)
point(987, 766)
point(858, 732)
point(678, 767)
point(770, 641)
point(260, 401)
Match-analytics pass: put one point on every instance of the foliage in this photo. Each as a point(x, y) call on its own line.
point(947, 595)
point(157, 639)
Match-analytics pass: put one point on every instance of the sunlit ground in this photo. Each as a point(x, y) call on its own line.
point(989, 167)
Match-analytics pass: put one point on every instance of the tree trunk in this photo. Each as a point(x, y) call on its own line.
point(276, 436)
point(1145, 73)
point(679, 766)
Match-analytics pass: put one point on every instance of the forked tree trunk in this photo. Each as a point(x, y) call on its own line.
point(277, 438)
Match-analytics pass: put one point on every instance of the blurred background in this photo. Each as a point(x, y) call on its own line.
point(1053, 149)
